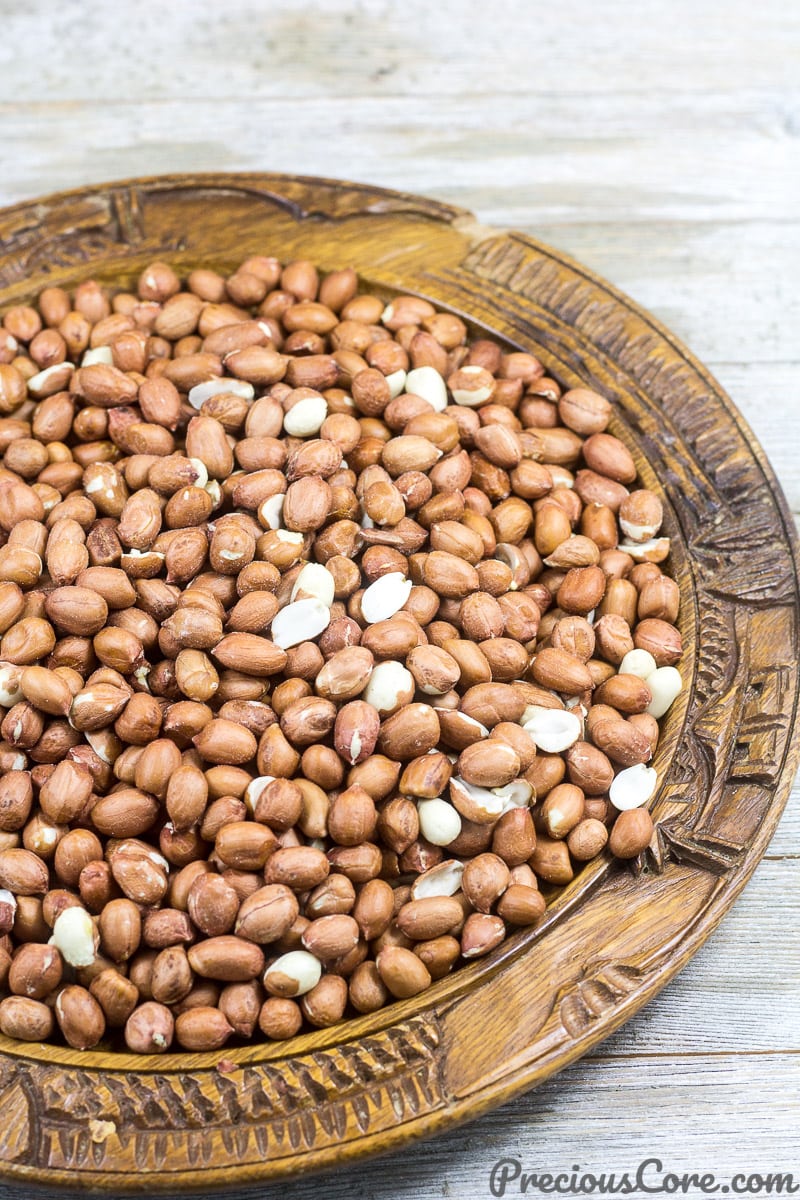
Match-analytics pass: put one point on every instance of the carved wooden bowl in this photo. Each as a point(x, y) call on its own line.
point(615, 936)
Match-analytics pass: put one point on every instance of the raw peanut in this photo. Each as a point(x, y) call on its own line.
point(202, 1028)
point(631, 833)
point(561, 671)
point(485, 879)
point(481, 934)
point(126, 813)
point(120, 929)
point(298, 867)
point(23, 873)
point(514, 837)
point(562, 810)
point(550, 861)
point(35, 971)
point(426, 777)
point(279, 1018)
point(429, 918)
point(409, 733)
point(331, 936)
point(587, 839)
point(80, 1017)
point(226, 958)
point(627, 693)
point(488, 764)
point(245, 845)
point(521, 905)
point(584, 411)
point(310, 670)
point(402, 972)
point(26, 1019)
point(240, 1004)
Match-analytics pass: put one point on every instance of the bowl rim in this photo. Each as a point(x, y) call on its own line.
point(471, 249)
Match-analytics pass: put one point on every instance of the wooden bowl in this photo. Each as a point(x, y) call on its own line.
point(613, 938)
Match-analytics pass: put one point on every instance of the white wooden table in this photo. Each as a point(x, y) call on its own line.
point(657, 143)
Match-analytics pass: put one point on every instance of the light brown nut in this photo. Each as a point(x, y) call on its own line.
point(149, 1029)
point(331, 937)
point(412, 731)
point(587, 839)
point(430, 917)
point(622, 742)
point(26, 1019)
point(485, 878)
point(298, 867)
point(585, 411)
point(352, 817)
point(35, 971)
point(402, 972)
point(202, 1028)
point(23, 873)
point(481, 934)
point(562, 809)
point(521, 905)
point(426, 777)
point(245, 845)
point(488, 764)
point(267, 914)
point(226, 958)
point(79, 1016)
point(561, 671)
point(631, 833)
point(120, 926)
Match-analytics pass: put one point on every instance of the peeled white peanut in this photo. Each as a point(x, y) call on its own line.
point(37, 382)
point(74, 935)
point(553, 729)
point(654, 550)
point(638, 662)
point(389, 686)
point(439, 822)
point(632, 787)
point(8, 902)
point(305, 418)
point(298, 965)
point(215, 387)
point(396, 382)
point(638, 533)
point(10, 693)
point(299, 622)
point(202, 472)
point(485, 805)
point(442, 880)
point(314, 582)
point(214, 491)
point(428, 383)
point(98, 354)
point(254, 789)
point(479, 804)
point(665, 684)
point(271, 511)
point(385, 597)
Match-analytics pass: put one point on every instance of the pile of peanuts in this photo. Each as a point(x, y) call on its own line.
point(329, 637)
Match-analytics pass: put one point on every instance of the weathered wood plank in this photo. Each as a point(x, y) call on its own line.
point(710, 1004)
point(766, 395)
point(334, 48)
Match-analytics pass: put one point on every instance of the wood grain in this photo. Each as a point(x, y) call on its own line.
point(662, 151)
point(725, 760)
